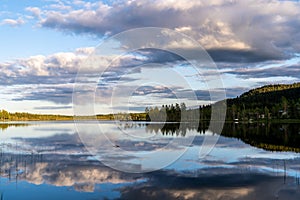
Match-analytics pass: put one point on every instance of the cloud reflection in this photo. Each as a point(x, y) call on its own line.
point(233, 170)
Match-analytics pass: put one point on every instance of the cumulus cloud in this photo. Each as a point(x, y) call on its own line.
point(59, 94)
point(235, 33)
point(52, 77)
point(13, 22)
point(35, 11)
point(56, 68)
point(43, 78)
point(267, 29)
point(289, 71)
point(75, 173)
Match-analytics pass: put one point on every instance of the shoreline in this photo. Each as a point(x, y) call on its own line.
point(275, 121)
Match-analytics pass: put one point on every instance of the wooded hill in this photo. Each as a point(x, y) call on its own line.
point(271, 102)
point(267, 102)
point(270, 88)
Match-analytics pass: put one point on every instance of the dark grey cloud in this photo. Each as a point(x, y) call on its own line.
point(58, 95)
point(52, 107)
point(34, 79)
point(235, 91)
point(202, 94)
point(159, 56)
point(131, 108)
point(61, 141)
point(207, 94)
point(168, 185)
point(233, 30)
point(243, 56)
point(286, 71)
point(107, 78)
point(145, 90)
point(136, 146)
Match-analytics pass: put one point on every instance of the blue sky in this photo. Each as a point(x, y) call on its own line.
point(44, 43)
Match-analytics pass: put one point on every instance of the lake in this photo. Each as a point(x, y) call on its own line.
point(117, 160)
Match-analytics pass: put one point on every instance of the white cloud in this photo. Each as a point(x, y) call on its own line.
point(34, 10)
point(12, 22)
point(265, 26)
point(53, 65)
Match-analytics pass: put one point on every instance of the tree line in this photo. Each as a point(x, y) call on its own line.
point(274, 102)
point(266, 103)
point(271, 88)
point(177, 113)
point(24, 116)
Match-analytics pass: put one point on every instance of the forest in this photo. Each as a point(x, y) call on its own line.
point(273, 102)
point(23, 116)
point(279, 102)
point(268, 103)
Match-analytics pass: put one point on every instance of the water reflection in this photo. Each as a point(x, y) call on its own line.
point(49, 161)
point(60, 170)
point(89, 176)
point(274, 137)
point(177, 129)
point(4, 126)
point(84, 175)
point(269, 136)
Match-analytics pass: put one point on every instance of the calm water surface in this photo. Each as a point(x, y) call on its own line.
point(50, 160)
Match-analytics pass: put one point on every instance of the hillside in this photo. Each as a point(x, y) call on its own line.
point(271, 102)
point(271, 88)
point(267, 102)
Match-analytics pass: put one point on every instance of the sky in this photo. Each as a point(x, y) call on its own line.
point(82, 57)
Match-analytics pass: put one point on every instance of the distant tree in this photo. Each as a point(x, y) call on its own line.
point(267, 113)
point(284, 104)
point(183, 112)
point(5, 115)
point(233, 111)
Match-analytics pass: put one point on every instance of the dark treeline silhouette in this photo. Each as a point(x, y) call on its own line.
point(273, 102)
point(268, 136)
point(271, 88)
point(177, 129)
point(177, 113)
point(266, 103)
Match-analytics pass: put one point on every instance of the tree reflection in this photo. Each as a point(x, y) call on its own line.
point(273, 137)
point(268, 136)
point(4, 126)
point(177, 129)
